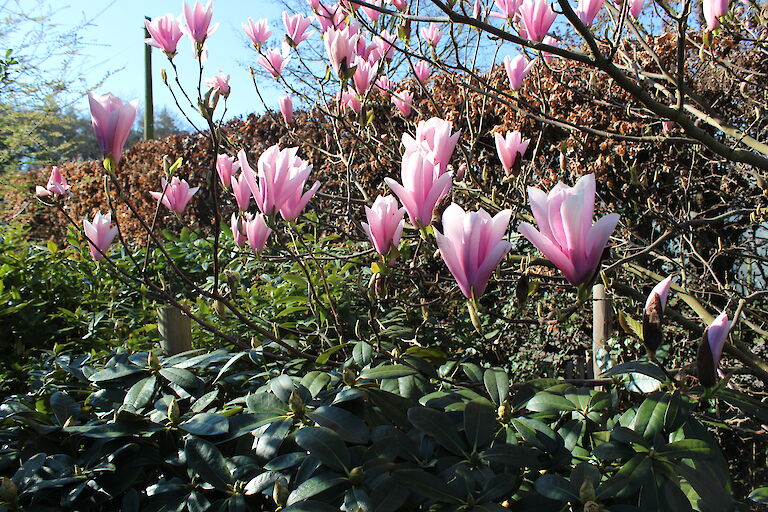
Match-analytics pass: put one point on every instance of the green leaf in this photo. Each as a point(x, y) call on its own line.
point(628, 479)
point(326, 354)
point(394, 371)
point(427, 484)
point(181, 377)
point(315, 382)
point(362, 353)
point(314, 486)
point(205, 459)
point(206, 424)
point(311, 506)
point(514, 456)
point(63, 407)
point(760, 495)
point(646, 368)
point(326, 445)
point(479, 423)
point(555, 487)
point(439, 426)
point(649, 419)
point(687, 449)
point(547, 402)
point(497, 383)
point(347, 425)
point(140, 393)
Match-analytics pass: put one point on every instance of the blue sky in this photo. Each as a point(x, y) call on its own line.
point(112, 31)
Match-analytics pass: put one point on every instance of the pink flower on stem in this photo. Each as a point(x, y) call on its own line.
point(57, 185)
point(400, 5)
point(257, 32)
point(257, 232)
point(237, 233)
point(472, 245)
point(280, 181)
point(330, 16)
point(164, 34)
point(431, 34)
point(661, 290)
point(242, 192)
point(372, 14)
point(226, 166)
point(198, 21)
point(100, 234)
point(653, 316)
point(177, 194)
point(517, 69)
point(341, 46)
point(274, 62)
point(536, 17)
point(422, 188)
point(219, 83)
point(434, 138)
point(384, 84)
point(713, 9)
point(296, 28)
point(286, 108)
point(510, 148)
point(711, 350)
point(385, 224)
point(364, 75)
point(350, 100)
point(422, 70)
point(403, 100)
point(667, 126)
point(587, 10)
point(385, 45)
point(635, 8)
point(566, 235)
point(112, 121)
point(551, 41)
point(507, 9)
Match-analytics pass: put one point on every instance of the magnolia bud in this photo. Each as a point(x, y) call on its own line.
point(173, 414)
point(521, 290)
point(653, 315)
point(705, 363)
point(356, 476)
point(280, 494)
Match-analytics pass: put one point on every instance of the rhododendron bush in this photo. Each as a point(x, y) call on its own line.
point(445, 188)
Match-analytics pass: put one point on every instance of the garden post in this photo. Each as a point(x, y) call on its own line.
point(602, 314)
point(175, 330)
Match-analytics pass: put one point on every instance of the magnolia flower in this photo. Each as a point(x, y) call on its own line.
point(241, 191)
point(400, 5)
point(57, 185)
point(472, 245)
point(286, 108)
point(112, 120)
point(257, 32)
point(635, 8)
point(257, 232)
point(372, 14)
point(226, 166)
point(431, 34)
point(219, 83)
point(177, 194)
point(296, 28)
point(100, 234)
point(653, 315)
point(422, 188)
point(566, 235)
point(341, 46)
point(385, 224)
point(280, 181)
point(330, 16)
point(364, 75)
point(713, 9)
point(517, 69)
point(422, 70)
point(536, 17)
point(274, 62)
point(164, 34)
point(350, 100)
point(711, 349)
point(510, 148)
point(198, 21)
point(237, 233)
point(551, 41)
point(385, 45)
point(507, 9)
point(587, 10)
point(384, 84)
point(433, 137)
point(403, 100)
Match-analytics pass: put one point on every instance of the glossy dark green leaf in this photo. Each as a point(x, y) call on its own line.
point(268, 442)
point(348, 426)
point(479, 423)
point(140, 393)
point(311, 506)
point(326, 445)
point(206, 424)
point(759, 495)
point(64, 407)
point(207, 462)
point(261, 482)
point(314, 486)
point(497, 384)
point(392, 371)
point(181, 377)
point(439, 426)
point(427, 485)
point(687, 449)
point(362, 354)
point(649, 419)
point(646, 368)
point(628, 479)
point(282, 386)
point(555, 487)
point(315, 382)
point(547, 402)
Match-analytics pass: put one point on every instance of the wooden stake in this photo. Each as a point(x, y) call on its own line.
point(175, 330)
point(602, 318)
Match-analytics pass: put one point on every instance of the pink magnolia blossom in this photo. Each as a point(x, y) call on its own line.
point(551, 41)
point(330, 16)
point(257, 232)
point(385, 45)
point(713, 9)
point(100, 234)
point(507, 9)
point(296, 28)
point(351, 100)
point(587, 10)
point(431, 34)
point(274, 62)
point(286, 108)
point(472, 245)
point(242, 192)
point(112, 120)
point(661, 290)
point(198, 21)
point(384, 84)
point(372, 14)
point(711, 350)
point(57, 185)
point(400, 5)
point(164, 34)
point(434, 138)
point(237, 233)
point(667, 126)
point(422, 188)
point(280, 181)
point(257, 32)
point(403, 100)
point(510, 148)
point(226, 166)
point(385, 224)
point(422, 70)
point(566, 235)
point(517, 69)
point(313, 4)
point(219, 83)
point(635, 8)
point(364, 75)
point(341, 46)
point(177, 194)
point(536, 17)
